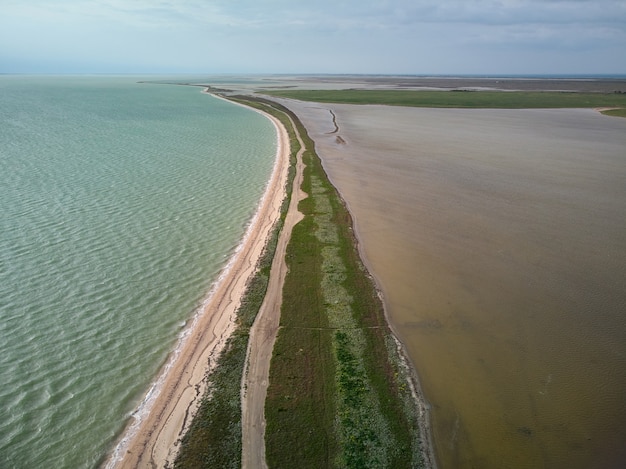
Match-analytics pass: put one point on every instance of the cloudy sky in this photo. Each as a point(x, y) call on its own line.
point(313, 36)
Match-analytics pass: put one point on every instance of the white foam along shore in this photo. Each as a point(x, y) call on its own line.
point(151, 437)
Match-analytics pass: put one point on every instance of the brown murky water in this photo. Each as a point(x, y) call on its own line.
point(499, 240)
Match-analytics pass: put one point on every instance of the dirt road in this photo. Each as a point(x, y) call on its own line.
point(263, 335)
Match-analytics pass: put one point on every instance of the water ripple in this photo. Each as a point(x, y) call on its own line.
point(120, 205)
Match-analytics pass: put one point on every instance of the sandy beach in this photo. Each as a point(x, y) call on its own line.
point(152, 439)
point(497, 239)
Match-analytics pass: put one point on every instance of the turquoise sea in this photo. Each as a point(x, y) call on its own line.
point(120, 203)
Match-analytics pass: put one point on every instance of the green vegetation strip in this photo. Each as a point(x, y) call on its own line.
point(338, 394)
point(460, 99)
point(214, 437)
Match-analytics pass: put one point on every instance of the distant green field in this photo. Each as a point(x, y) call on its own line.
point(460, 99)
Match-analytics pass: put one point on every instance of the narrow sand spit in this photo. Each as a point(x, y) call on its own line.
point(153, 441)
point(263, 336)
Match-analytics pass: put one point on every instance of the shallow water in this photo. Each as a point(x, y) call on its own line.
point(120, 203)
point(499, 241)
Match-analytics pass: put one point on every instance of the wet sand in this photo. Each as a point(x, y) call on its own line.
point(498, 238)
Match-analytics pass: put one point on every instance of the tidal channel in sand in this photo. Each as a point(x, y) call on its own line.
point(498, 238)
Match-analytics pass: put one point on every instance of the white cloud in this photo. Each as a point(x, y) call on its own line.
point(415, 35)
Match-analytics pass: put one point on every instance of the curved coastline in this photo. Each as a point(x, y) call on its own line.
point(152, 439)
point(165, 412)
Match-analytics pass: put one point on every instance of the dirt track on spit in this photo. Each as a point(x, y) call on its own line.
point(263, 335)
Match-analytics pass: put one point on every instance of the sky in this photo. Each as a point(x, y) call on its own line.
point(485, 37)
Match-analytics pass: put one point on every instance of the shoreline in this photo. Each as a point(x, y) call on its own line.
point(170, 405)
point(152, 436)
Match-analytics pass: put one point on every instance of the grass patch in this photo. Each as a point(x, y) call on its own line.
point(615, 112)
point(460, 99)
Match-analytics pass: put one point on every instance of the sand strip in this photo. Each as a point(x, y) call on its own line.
point(152, 440)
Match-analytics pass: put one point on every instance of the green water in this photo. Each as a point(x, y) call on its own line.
point(119, 205)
